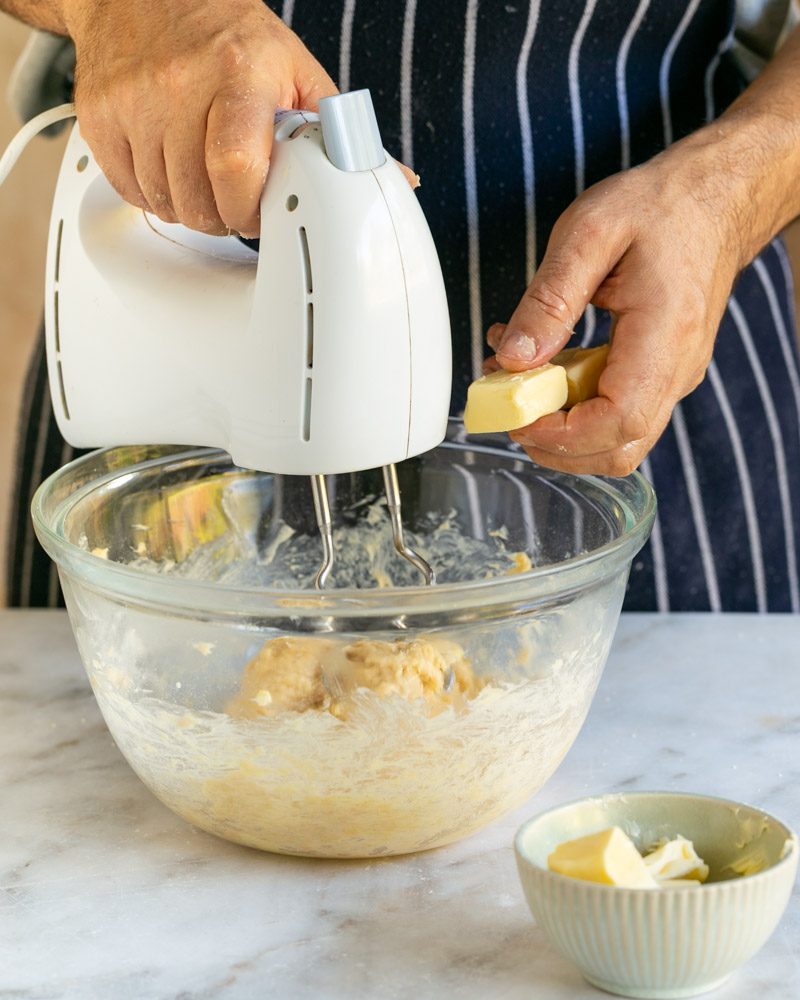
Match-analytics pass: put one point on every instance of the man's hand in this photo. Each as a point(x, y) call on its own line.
point(659, 246)
point(177, 102)
point(656, 251)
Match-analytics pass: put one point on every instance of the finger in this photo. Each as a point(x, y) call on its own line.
point(495, 334)
point(491, 365)
point(115, 159)
point(312, 83)
point(580, 254)
point(238, 145)
point(412, 178)
point(190, 190)
point(555, 434)
point(598, 425)
point(620, 462)
point(110, 147)
point(151, 175)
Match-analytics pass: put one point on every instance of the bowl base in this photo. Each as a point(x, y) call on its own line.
point(655, 993)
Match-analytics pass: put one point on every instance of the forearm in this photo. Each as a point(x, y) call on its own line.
point(753, 150)
point(47, 14)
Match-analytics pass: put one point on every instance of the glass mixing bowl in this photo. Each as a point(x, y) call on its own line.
point(180, 569)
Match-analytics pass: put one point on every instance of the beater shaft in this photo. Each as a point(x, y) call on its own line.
point(322, 509)
point(393, 501)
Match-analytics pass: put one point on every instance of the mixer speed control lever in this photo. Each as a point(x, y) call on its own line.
point(350, 131)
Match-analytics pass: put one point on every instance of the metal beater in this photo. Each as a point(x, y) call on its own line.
point(325, 524)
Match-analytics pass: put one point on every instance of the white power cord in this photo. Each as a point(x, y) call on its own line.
point(29, 131)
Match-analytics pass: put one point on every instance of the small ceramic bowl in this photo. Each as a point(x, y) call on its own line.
point(666, 942)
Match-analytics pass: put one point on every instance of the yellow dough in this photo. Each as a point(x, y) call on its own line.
point(284, 675)
point(318, 674)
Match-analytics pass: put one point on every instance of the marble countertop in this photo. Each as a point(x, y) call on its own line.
point(105, 895)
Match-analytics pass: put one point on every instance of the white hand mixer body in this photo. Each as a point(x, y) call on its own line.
point(326, 352)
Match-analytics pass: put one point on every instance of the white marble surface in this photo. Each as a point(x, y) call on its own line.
point(105, 895)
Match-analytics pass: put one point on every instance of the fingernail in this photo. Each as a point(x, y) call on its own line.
point(518, 345)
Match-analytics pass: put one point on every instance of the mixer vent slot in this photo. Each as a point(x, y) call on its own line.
point(310, 335)
point(59, 236)
point(307, 411)
point(57, 320)
point(56, 323)
point(306, 260)
point(63, 391)
point(305, 254)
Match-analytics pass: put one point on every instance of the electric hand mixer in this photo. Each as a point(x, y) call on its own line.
point(326, 352)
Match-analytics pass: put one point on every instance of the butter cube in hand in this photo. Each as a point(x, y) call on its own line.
point(609, 856)
point(584, 366)
point(505, 401)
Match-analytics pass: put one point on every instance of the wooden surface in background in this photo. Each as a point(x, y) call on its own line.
point(25, 200)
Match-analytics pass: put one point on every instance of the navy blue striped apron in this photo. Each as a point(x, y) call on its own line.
point(508, 109)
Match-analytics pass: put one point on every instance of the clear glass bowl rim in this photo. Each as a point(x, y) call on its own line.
point(163, 592)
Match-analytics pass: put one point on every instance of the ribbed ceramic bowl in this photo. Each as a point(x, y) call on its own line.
point(668, 942)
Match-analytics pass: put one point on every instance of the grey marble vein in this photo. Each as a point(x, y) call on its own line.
point(105, 895)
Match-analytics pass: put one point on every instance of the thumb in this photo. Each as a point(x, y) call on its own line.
point(579, 257)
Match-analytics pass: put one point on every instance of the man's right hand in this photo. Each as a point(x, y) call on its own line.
point(177, 102)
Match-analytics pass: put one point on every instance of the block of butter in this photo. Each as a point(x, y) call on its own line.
point(505, 401)
point(583, 366)
point(608, 856)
